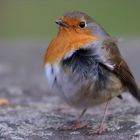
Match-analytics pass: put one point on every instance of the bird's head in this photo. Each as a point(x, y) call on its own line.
point(76, 29)
point(81, 23)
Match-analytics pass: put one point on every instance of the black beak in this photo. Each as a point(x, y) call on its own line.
point(61, 23)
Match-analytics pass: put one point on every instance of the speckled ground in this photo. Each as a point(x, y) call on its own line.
point(35, 114)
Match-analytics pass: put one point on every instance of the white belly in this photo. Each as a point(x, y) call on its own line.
point(77, 91)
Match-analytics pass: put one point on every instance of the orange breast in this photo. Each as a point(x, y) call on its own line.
point(66, 41)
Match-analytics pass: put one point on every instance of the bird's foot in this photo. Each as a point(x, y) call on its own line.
point(98, 130)
point(4, 102)
point(74, 126)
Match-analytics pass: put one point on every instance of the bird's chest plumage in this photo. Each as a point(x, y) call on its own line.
point(81, 81)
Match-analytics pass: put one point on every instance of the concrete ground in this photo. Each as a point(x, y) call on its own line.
point(36, 114)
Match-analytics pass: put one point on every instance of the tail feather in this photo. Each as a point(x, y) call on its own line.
point(136, 94)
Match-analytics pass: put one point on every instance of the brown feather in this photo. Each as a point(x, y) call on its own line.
point(121, 69)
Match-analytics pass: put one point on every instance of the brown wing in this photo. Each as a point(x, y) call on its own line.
point(121, 69)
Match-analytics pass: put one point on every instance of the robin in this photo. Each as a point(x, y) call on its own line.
point(84, 66)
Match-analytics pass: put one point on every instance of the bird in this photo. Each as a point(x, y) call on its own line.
point(84, 66)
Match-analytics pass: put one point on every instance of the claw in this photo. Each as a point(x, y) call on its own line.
point(75, 126)
point(99, 130)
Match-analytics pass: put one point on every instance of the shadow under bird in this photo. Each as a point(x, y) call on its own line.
point(84, 66)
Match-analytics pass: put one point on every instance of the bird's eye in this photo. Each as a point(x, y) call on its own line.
point(82, 24)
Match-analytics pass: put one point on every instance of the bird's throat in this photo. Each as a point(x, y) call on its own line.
point(65, 42)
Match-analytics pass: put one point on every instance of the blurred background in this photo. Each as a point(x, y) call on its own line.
point(27, 26)
point(35, 18)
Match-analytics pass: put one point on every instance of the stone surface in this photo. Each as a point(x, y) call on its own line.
point(35, 114)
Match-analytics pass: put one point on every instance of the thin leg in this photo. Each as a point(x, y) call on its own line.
point(4, 102)
point(76, 124)
point(82, 113)
point(101, 129)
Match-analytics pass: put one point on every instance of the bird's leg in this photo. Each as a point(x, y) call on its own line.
point(3, 102)
point(76, 123)
point(82, 113)
point(101, 128)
